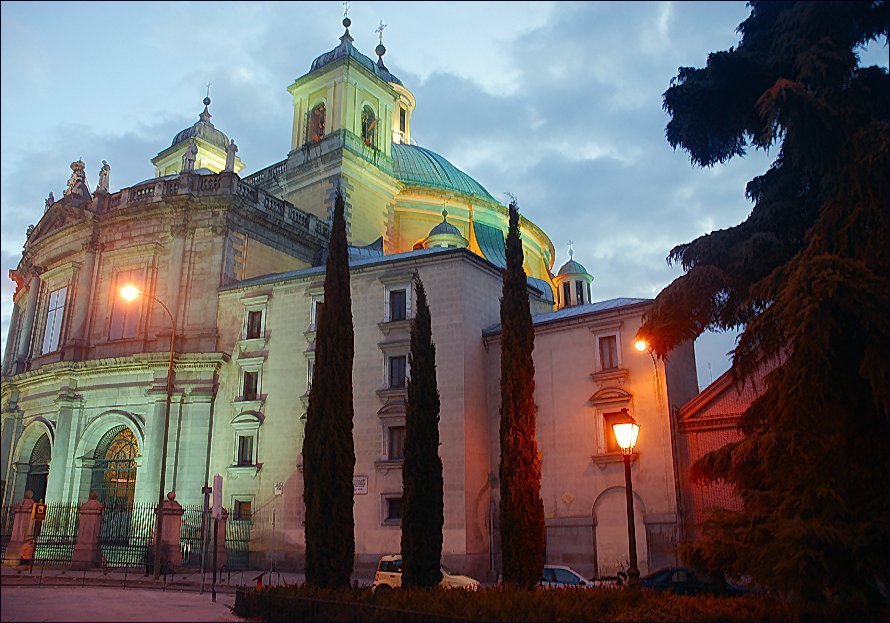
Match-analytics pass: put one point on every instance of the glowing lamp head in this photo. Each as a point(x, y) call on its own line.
point(641, 345)
point(130, 292)
point(626, 434)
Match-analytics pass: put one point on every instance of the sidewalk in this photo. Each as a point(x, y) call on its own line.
point(123, 594)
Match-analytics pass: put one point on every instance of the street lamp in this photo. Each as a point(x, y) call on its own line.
point(130, 293)
point(626, 432)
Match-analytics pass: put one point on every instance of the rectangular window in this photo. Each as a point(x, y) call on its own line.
point(579, 292)
point(52, 329)
point(403, 120)
point(589, 300)
point(395, 439)
point(567, 294)
point(245, 449)
point(315, 308)
point(608, 433)
point(311, 371)
point(125, 314)
point(254, 324)
point(393, 509)
point(608, 352)
point(398, 308)
point(250, 385)
point(397, 369)
point(241, 510)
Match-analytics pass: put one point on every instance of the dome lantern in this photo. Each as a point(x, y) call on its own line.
point(572, 283)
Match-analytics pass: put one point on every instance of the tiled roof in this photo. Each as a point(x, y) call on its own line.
point(574, 311)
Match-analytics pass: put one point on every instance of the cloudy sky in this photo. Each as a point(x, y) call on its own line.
point(557, 103)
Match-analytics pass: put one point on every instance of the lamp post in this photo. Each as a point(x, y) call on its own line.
point(626, 435)
point(129, 293)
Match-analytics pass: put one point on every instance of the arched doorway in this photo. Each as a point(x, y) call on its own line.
point(38, 467)
point(114, 472)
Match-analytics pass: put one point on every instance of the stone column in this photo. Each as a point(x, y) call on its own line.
point(21, 530)
point(11, 338)
point(171, 515)
point(61, 466)
point(150, 472)
point(12, 429)
point(86, 551)
point(20, 470)
point(174, 271)
point(24, 339)
point(83, 295)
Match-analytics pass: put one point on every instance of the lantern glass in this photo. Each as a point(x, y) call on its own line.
point(626, 435)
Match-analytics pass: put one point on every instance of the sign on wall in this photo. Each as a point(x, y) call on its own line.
point(360, 485)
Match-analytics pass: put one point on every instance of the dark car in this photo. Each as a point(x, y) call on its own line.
point(685, 581)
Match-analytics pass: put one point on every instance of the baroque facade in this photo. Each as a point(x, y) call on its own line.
point(232, 272)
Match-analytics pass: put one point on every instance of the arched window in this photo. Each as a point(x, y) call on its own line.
point(114, 474)
point(316, 123)
point(38, 468)
point(369, 126)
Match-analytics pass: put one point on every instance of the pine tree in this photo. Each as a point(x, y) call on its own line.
point(422, 501)
point(806, 277)
point(521, 509)
point(328, 449)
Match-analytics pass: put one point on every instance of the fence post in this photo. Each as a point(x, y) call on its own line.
point(21, 531)
point(86, 549)
point(171, 515)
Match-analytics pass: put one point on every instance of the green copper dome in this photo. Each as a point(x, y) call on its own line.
point(416, 166)
point(572, 268)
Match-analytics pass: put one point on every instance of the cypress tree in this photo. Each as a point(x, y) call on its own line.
point(328, 449)
point(521, 511)
point(806, 277)
point(422, 503)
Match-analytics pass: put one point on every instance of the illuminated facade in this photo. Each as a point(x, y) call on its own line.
point(239, 263)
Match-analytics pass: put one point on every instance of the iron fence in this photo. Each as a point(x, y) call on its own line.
point(57, 534)
point(126, 535)
point(7, 514)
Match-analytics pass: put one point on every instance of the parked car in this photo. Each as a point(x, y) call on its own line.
point(685, 581)
point(561, 576)
point(389, 575)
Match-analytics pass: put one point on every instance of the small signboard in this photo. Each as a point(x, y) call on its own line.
point(279, 488)
point(360, 485)
point(38, 512)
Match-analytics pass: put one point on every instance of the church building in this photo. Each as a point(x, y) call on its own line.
point(230, 267)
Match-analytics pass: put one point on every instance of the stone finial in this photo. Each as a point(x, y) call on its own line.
point(78, 178)
point(29, 495)
point(94, 495)
point(49, 201)
point(171, 495)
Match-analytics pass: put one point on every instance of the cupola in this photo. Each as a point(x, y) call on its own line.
point(211, 143)
point(572, 284)
point(445, 235)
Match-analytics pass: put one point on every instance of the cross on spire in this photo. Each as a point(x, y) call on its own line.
point(345, 8)
point(379, 30)
point(571, 251)
point(208, 88)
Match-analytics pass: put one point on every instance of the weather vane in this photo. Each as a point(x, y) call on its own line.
point(571, 251)
point(379, 30)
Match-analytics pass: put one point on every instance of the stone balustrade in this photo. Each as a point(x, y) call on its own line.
point(226, 183)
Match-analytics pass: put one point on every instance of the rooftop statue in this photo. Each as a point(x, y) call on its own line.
point(78, 176)
point(188, 160)
point(104, 174)
point(231, 148)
